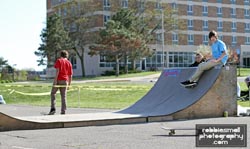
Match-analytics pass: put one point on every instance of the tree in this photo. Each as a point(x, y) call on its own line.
point(79, 20)
point(54, 38)
point(118, 38)
point(3, 62)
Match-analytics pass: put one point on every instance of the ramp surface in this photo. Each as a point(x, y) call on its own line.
point(165, 98)
point(168, 96)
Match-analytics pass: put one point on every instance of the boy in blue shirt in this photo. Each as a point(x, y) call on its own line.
point(219, 57)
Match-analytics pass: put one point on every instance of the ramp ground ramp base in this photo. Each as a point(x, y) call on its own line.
point(167, 100)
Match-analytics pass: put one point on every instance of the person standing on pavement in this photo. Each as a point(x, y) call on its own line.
point(62, 81)
point(219, 57)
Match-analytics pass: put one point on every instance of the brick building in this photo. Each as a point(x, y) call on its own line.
point(230, 18)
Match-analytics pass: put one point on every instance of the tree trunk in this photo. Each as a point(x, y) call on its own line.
point(126, 64)
point(81, 57)
point(133, 64)
point(117, 71)
point(82, 64)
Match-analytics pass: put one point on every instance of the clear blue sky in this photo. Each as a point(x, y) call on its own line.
point(21, 23)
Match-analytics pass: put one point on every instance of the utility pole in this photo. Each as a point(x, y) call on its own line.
point(163, 38)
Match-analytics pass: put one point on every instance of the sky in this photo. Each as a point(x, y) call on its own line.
point(21, 23)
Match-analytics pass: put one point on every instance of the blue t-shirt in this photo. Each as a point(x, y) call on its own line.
point(219, 47)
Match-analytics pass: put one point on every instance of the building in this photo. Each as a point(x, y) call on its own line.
point(230, 18)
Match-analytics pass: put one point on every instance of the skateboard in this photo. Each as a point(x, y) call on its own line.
point(172, 131)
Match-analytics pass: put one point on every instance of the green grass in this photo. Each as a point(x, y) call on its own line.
point(242, 72)
point(88, 95)
point(141, 74)
point(243, 103)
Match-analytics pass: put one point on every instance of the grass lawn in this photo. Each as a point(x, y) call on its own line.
point(88, 95)
point(243, 72)
point(108, 95)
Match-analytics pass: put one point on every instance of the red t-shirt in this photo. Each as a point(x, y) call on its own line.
point(65, 68)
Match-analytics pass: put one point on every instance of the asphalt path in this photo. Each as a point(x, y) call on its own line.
point(132, 136)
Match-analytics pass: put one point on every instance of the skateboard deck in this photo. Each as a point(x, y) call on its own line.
point(172, 131)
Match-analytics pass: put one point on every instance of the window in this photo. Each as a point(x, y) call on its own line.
point(64, 11)
point(247, 26)
point(190, 24)
point(156, 60)
point(174, 6)
point(73, 27)
point(73, 60)
point(233, 12)
point(105, 62)
point(174, 38)
point(141, 4)
point(205, 10)
point(247, 41)
point(158, 4)
point(106, 18)
point(221, 37)
point(246, 12)
point(205, 39)
point(234, 39)
point(106, 4)
point(220, 25)
point(59, 12)
point(190, 9)
point(159, 37)
point(205, 25)
point(190, 39)
point(234, 26)
point(219, 10)
point(180, 59)
point(124, 4)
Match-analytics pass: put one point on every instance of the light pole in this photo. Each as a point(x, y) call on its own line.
point(163, 37)
point(13, 69)
point(155, 54)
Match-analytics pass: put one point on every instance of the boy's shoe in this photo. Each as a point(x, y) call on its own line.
point(188, 83)
point(52, 112)
point(63, 112)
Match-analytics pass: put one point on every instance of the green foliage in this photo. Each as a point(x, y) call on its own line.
point(204, 50)
point(3, 62)
point(243, 72)
point(54, 38)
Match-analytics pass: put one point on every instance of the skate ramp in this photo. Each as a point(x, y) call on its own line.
point(167, 100)
point(168, 96)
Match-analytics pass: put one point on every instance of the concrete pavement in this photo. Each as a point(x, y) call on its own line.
point(133, 136)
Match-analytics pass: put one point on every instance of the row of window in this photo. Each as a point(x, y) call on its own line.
point(219, 11)
point(190, 25)
point(159, 59)
point(205, 40)
point(175, 59)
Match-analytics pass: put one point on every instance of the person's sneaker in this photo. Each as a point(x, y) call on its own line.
point(63, 112)
point(52, 112)
point(187, 83)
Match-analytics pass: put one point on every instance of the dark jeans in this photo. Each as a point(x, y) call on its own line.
point(63, 92)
